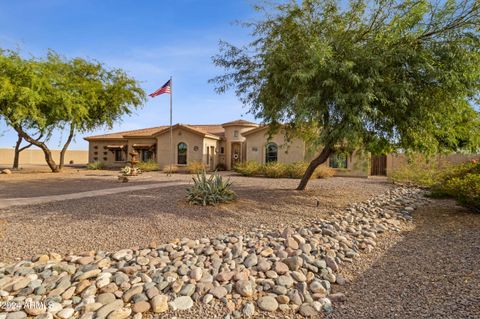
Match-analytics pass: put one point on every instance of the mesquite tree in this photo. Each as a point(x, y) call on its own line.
point(379, 75)
point(55, 93)
point(19, 148)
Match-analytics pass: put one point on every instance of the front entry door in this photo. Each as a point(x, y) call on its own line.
point(236, 154)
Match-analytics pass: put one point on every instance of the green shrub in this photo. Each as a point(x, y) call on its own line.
point(195, 167)
point(466, 189)
point(461, 181)
point(249, 168)
point(460, 170)
point(148, 166)
point(96, 165)
point(210, 190)
point(419, 173)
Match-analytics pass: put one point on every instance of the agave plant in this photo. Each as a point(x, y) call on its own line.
point(210, 190)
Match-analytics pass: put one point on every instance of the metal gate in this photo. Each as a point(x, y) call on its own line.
point(379, 165)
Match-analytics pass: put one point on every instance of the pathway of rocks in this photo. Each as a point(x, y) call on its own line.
point(245, 274)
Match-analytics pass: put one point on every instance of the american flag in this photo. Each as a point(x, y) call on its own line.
point(166, 88)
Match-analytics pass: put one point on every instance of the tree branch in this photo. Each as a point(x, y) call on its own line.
point(46, 151)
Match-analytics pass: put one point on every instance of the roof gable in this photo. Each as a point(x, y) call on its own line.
point(188, 128)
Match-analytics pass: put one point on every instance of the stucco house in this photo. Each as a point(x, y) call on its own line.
point(227, 144)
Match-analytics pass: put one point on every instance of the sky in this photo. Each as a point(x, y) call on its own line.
point(151, 40)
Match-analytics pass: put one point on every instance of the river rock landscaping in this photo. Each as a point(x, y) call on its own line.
point(272, 271)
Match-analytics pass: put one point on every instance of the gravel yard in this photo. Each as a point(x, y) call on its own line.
point(432, 271)
point(288, 272)
point(137, 218)
point(71, 181)
point(428, 270)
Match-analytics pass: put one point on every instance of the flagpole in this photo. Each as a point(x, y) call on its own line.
point(172, 157)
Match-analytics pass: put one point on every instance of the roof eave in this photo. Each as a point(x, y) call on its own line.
point(93, 138)
point(138, 136)
point(237, 124)
point(213, 137)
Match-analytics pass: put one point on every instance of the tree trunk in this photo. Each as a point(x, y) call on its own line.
point(18, 150)
point(65, 146)
point(46, 151)
point(16, 157)
point(320, 159)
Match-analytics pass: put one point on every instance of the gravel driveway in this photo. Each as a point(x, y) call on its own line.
point(70, 181)
point(137, 218)
point(432, 271)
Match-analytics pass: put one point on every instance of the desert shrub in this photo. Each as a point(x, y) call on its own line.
point(210, 190)
point(460, 170)
point(195, 167)
point(297, 169)
point(281, 170)
point(220, 167)
point(275, 170)
point(421, 174)
point(466, 189)
point(323, 171)
point(429, 173)
point(96, 165)
point(249, 168)
point(170, 169)
point(461, 181)
point(421, 171)
point(148, 166)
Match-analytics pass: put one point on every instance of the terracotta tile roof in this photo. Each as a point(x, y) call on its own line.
point(240, 122)
point(146, 131)
point(120, 135)
point(212, 129)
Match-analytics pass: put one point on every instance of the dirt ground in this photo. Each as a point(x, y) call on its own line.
point(137, 218)
point(432, 271)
